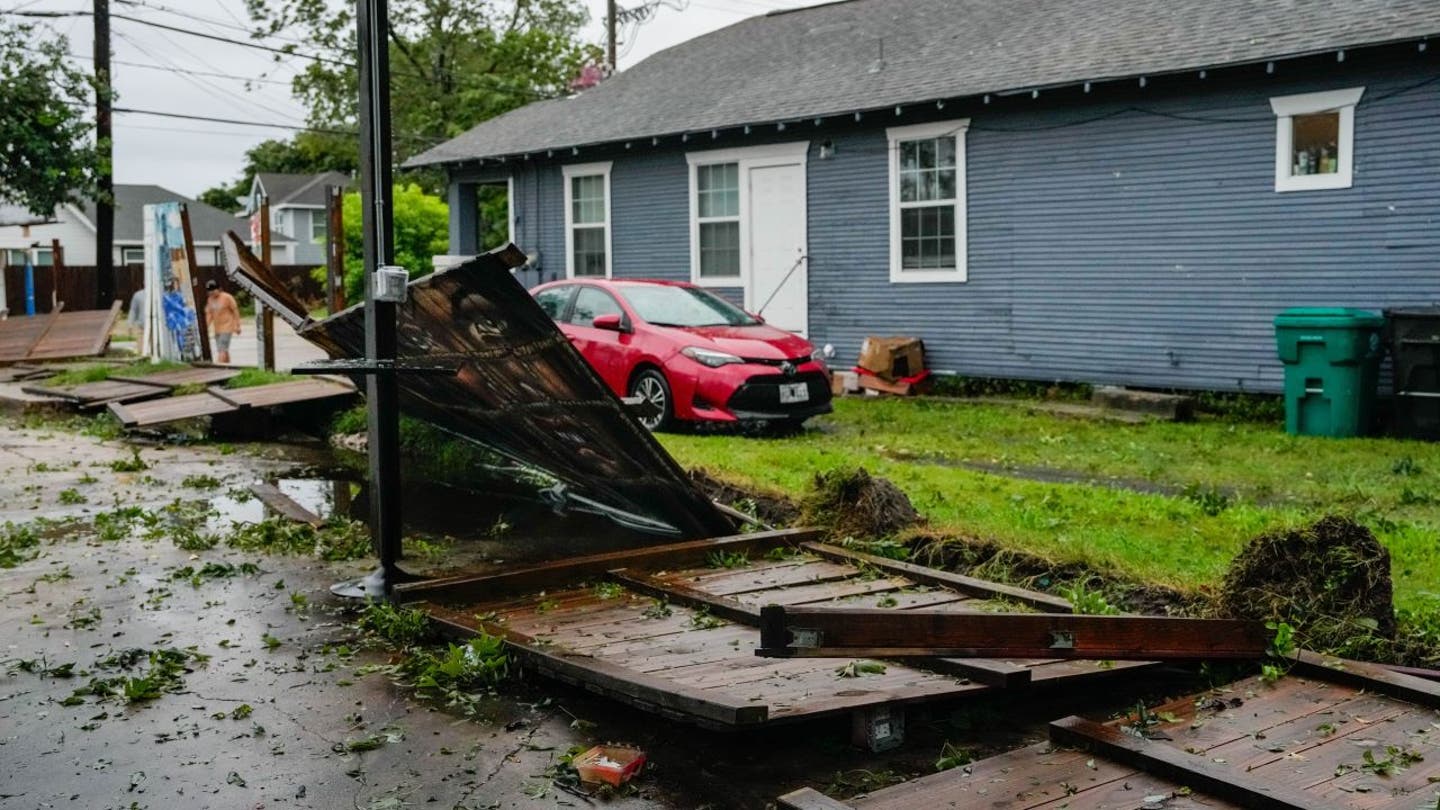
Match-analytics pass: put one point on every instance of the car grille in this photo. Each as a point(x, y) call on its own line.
point(761, 393)
point(794, 361)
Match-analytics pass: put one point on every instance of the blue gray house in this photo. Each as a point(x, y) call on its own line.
point(1110, 191)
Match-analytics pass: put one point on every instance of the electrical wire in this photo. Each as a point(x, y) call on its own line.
point(205, 85)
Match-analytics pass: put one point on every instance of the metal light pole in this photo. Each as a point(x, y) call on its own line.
point(382, 391)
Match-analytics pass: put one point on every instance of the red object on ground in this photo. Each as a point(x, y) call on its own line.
point(689, 355)
point(613, 764)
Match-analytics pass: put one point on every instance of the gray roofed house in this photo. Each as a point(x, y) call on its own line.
point(1108, 191)
point(74, 226)
point(297, 208)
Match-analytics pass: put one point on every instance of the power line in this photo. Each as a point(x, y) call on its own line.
point(204, 84)
point(264, 124)
point(207, 20)
point(213, 75)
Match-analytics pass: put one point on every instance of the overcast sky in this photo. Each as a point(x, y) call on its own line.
point(190, 156)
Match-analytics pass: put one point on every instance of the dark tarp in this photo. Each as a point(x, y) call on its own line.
point(522, 390)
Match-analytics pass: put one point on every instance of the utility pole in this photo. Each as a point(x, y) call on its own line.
point(335, 248)
point(611, 11)
point(104, 206)
point(265, 316)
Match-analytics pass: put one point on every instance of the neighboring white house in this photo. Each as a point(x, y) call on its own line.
point(74, 225)
point(297, 209)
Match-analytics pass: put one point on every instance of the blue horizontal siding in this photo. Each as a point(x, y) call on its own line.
point(1138, 250)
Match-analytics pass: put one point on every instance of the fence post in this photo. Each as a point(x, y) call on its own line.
point(197, 290)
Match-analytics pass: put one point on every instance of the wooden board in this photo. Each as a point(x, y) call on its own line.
point(21, 371)
point(656, 627)
point(76, 334)
point(90, 395)
point(284, 505)
point(197, 375)
point(877, 633)
point(1300, 742)
point(215, 401)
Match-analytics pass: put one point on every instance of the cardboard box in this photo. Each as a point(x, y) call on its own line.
point(844, 382)
point(892, 358)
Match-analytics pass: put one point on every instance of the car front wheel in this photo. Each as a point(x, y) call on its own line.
point(656, 410)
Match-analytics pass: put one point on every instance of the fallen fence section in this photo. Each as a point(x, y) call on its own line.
point(216, 401)
point(1327, 735)
point(520, 390)
point(56, 336)
point(673, 629)
point(799, 632)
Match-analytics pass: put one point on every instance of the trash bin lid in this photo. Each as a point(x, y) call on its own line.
point(1424, 312)
point(1344, 317)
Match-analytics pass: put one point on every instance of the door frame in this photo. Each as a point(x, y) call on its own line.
point(749, 157)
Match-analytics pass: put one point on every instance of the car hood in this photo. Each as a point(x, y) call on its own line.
point(755, 342)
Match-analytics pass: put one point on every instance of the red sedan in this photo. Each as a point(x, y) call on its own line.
point(688, 354)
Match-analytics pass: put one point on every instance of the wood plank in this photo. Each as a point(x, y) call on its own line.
point(28, 352)
point(811, 799)
point(872, 633)
point(99, 393)
point(604, 678)
point(823, 591)
point(947, 579)
point(1016, 779)
point(566, 572)
point(195, 375)
point(733, 583)
point(1193, 771)
point(172, 409)
point(1368, 676)
point(286, 393)
point(283, 504)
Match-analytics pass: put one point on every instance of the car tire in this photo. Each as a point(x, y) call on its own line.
point(656, 410)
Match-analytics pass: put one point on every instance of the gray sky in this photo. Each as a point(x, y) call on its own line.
point(190, 156)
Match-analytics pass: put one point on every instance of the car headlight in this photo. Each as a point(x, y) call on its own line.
point(710, 357)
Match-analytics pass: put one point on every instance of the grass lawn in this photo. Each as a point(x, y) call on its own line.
point(1163, 503)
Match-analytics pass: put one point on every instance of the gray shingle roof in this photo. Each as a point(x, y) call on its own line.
point(300, 189)
point(207, 222)
point(827, 60)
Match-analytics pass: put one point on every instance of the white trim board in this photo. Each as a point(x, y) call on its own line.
point(1286, 108)
point(586, 170)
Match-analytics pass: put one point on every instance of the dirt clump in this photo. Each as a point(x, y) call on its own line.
point(1330, 581)
point(773, 510)
point(852, 503)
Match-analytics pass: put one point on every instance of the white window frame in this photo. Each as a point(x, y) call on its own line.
point(747, 157)
point(1286, 108)
point(586, 170)
point(919, 132)
point(319, 215)
point(124, 249)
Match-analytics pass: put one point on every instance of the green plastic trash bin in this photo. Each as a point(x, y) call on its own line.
point(1332, 365)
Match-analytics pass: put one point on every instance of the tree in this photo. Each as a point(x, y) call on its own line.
point(422, 231)
point(306, 153)
point(46, 157)
point(454, 63)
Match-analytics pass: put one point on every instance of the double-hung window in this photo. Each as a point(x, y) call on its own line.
point(717, 210)
point(318, 225)
point(587, 219)
point(927, 202)
point(1315, 139)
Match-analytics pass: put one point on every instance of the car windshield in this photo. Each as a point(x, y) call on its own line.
point(664, 305)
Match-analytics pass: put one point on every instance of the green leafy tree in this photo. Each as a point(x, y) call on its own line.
point(422, 231)
point(454, 63)
point(46, 156)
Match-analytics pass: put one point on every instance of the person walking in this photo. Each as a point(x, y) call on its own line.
point(223, 315)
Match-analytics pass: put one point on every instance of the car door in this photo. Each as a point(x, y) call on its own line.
point(606, 349)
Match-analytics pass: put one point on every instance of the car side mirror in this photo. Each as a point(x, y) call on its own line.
point(612, 322)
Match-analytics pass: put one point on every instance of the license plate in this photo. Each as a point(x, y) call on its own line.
point(794, 392)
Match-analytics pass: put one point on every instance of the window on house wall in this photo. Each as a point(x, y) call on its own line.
point(16, 258)
point(1315, 139)
point(318, 226)
point(493, 215)
point(717, 212)
point(44, 257)
point(132, 255)
point(587, 219)
point(927, 202)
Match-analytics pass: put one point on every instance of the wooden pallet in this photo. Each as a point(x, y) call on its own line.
point(1298, 744)
point(672, 634)
point(57, 335)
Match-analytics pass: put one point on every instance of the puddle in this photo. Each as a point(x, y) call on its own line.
point(319, 495)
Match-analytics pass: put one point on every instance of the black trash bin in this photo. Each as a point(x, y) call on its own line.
point(1414, 337)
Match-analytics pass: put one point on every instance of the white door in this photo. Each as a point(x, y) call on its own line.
point(778, 289)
